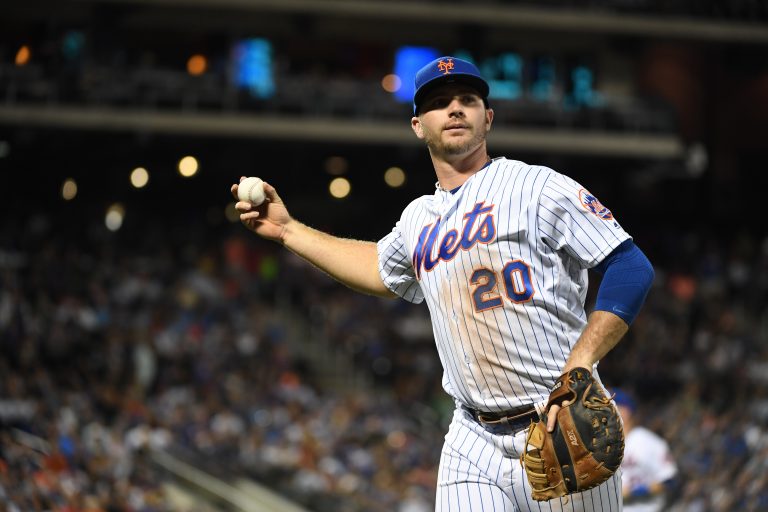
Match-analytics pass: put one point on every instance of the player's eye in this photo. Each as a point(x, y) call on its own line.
point(438, 102)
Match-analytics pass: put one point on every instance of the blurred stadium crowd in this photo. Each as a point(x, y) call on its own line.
point(194, 339)
point(112, 348)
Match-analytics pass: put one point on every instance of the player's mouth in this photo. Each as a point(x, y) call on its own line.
point(456, 127)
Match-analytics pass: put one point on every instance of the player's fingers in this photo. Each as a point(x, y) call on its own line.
point(271, 193)
point(243, 206)
point(245, 217)
point(552, 415)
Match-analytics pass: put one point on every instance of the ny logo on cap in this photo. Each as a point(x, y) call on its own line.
point(445, 66)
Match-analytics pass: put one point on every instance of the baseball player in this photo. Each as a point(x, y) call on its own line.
point(648, 467)
point(499, 252)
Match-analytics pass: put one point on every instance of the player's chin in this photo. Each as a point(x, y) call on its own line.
point(457, 147)
point(459, 138)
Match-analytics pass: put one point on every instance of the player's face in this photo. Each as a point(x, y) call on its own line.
point(453, 120)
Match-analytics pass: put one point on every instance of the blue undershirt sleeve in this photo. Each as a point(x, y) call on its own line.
point(627, 277)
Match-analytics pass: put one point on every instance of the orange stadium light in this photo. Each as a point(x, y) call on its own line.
point(23, 56)
point(197, 65)
point(336, 165)
point(391, 83)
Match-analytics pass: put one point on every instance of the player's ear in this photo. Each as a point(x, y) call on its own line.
point(416, 127)
point(488, 118)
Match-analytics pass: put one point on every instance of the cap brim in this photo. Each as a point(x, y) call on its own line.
point(473, 81)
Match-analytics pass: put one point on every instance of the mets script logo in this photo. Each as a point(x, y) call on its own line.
point(446, 66)
point(591, 203)
point(479, 227)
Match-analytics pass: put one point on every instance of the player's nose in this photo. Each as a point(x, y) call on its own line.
point(455, 108)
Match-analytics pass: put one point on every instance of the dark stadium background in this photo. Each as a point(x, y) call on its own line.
point(702, 83)
point(714, 91)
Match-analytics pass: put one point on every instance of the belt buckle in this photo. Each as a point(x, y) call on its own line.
point(482, 418)
point(504, 420)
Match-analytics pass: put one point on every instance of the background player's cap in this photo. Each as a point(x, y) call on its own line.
point(625, 399)
point(446, 70)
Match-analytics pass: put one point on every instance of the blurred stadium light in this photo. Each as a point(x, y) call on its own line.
point(253, 67)
point(350, 131)
point(408, 60)
point(553, 18)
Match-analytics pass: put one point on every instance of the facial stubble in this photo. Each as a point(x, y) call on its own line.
point(438, 147)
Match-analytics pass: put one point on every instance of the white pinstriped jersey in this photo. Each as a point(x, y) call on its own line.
point(502, 264)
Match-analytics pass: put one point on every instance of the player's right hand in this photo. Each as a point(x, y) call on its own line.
point(268, 220)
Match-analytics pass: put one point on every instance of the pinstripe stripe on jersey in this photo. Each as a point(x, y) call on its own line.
point(505, 356)
point(481, 471)
point(522, 381)
point(500, 357)
point(603, 241)
point(550, 365)
point(470, 323)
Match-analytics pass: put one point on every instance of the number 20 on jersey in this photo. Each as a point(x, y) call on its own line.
point(516, 280)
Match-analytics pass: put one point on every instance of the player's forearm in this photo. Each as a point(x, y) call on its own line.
point(602, 333)
point(640, 492)
point(351, 262)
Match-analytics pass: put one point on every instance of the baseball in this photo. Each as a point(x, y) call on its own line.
point(251, 190)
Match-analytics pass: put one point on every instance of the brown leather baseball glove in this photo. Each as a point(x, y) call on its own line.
point(585, 448)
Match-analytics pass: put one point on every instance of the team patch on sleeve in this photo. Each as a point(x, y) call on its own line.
point(594, 206)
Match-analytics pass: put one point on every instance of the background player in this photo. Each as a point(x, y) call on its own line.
point(648, 467)
point(500, 253)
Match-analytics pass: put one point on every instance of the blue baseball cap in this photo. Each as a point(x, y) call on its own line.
point(447, 70)
point(625, 399)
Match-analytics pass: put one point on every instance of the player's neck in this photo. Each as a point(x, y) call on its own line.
point(452, 171)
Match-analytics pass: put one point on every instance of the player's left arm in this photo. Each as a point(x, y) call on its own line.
point(654, 489)
point(627, 277)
